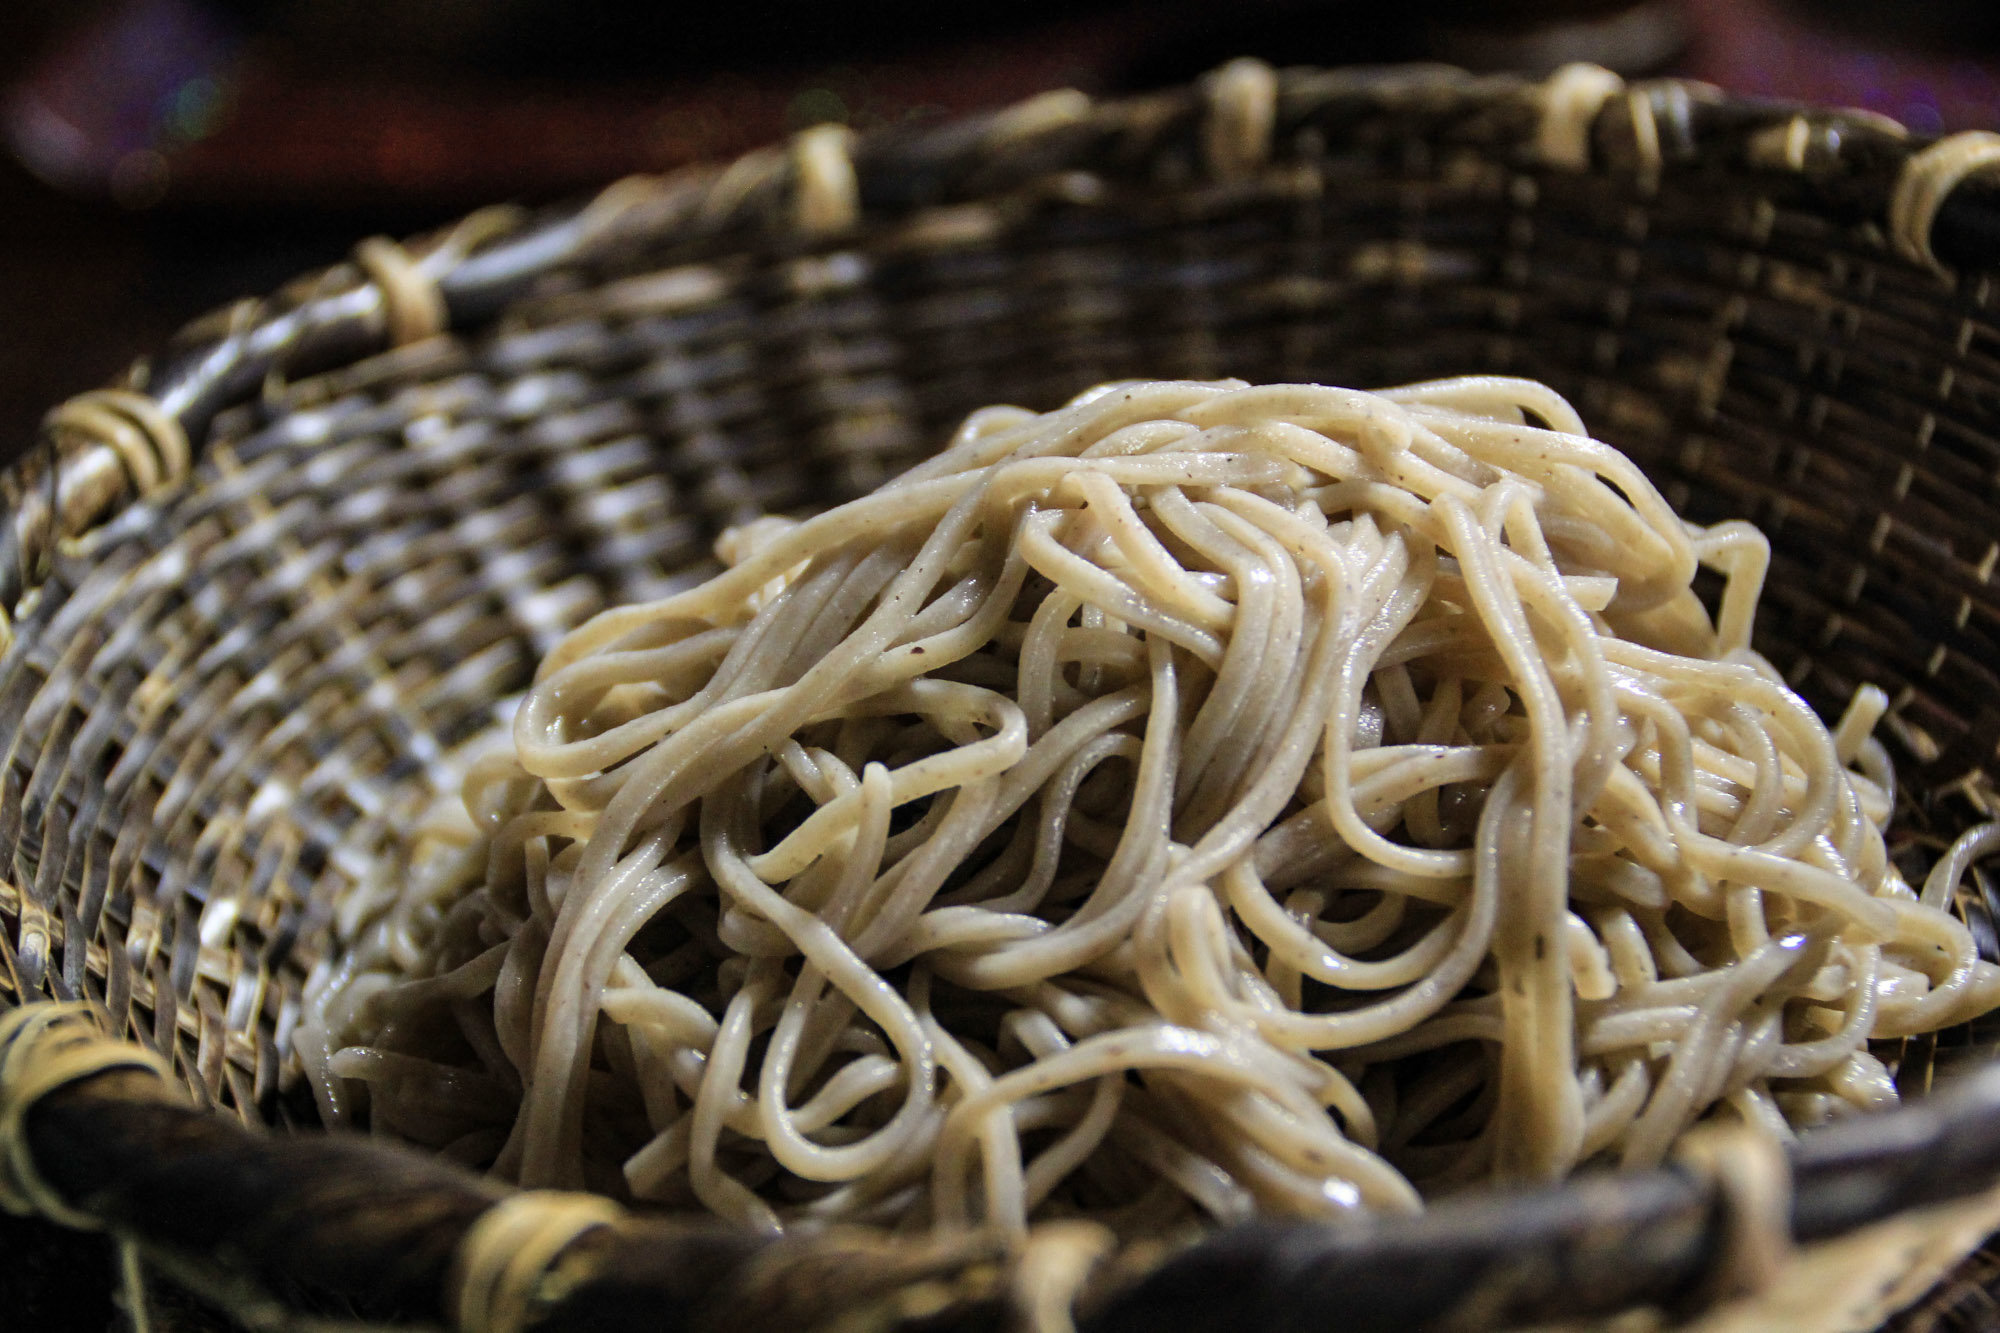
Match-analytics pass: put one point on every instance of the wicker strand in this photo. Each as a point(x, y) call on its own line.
point(828, 195)
point(1571, 99)
point(613, 205)
point(506, 1256)
point(1645, 137)
point(45, 1047)
point(1927, 180)
point(1782, 146)
point(741, 180)
point(1751, 1177)
point(412, 305)
point(132, 1287)
point(475, 229)
point(1038, 115)
point(1242, 109)
point(147, 439)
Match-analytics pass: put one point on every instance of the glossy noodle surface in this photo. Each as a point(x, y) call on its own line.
point(1200, 800)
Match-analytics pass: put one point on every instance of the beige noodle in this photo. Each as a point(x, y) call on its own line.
point(1200, 800)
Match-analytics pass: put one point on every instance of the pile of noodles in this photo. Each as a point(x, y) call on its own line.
point(1199, 800)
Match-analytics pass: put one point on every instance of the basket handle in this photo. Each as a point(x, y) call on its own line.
point(283, 1230)
point(103, 449)
point(94, 1134)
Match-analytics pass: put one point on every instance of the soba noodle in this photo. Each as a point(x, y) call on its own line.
point(1200, 800)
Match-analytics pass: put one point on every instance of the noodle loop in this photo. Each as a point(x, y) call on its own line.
point(1199, 800)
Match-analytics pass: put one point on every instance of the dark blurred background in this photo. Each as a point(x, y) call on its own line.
point(159, 157)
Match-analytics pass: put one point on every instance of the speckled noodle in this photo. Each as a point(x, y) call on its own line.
point(1201, 800)
point(257, 599)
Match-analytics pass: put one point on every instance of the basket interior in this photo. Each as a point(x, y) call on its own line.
point(221, 702)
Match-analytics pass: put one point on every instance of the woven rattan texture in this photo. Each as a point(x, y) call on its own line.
point(219, 699)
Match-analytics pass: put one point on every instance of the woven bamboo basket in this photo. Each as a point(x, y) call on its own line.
point(253, 593)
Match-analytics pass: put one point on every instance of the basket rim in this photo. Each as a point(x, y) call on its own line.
point(1922, 199)
point(1934, 201)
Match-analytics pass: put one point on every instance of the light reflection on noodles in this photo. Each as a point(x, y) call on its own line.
point(1202, 799)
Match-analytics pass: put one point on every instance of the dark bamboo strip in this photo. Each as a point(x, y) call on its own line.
point(287, 1227)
